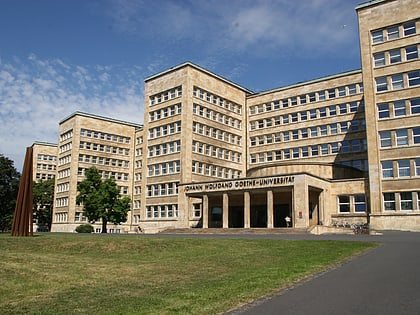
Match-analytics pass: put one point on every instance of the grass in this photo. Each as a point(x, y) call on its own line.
point(96, 274)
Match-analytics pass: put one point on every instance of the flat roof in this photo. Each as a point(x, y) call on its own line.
point(45, 143)
point(101, 118)
point(190, 64)
point(370, 3)
point(287, 87)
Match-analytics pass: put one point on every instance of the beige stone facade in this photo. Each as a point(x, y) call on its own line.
point(44, 160)
point(343, 148)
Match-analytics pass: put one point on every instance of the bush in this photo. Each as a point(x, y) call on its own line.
point(84, 228)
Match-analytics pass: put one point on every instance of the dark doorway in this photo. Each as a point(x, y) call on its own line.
point(259, 216)
point(216, 217)
point(236, 217)
point(282, 211)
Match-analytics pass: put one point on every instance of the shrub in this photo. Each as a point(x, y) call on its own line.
point(84, 228)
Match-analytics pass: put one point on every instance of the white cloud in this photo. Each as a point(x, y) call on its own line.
point(36, 94)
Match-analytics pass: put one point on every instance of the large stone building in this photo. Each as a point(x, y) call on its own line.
point(343, 148)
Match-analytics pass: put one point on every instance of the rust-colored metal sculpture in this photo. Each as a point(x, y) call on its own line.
point(22, 219)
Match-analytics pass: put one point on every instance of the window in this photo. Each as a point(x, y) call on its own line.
point(401, 137)
point(359, 203)
point(332, 110)
point(377, 37)
point(394, 56)
point(324, 149)
point(406, 200)
point(403, 168)
point(393, 32)
point(399, 108)
point(333, 129)
point(312, 114)
point(385, 139)
point(343, 127)
point(409, 28)
point(343, 204)
point(379, 59)
point(322, 112)
point(411, 53)
point(397, 81)
point(342, 91)
point(381, 84)
point(314, 131)
point(383, 110)
point(323, 130)
point(415, 106)
point(314, 150)
point(414, 78)
point(321, 95)
point(331, 93)
point(345, 147)
point(416, 135)
point(417, 166)
point(389, 201)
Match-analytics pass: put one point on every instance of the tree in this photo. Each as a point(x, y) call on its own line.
point(43, 198)
point(9, 188)
point(101, 199)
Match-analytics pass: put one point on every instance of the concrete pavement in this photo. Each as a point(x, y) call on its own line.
point(385, 280)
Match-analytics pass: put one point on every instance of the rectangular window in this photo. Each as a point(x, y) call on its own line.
point(343, 204)
point(333, 129)
point(416, 135)
point(379, 59)
point(406, 200)
point(409, 28)
point(322, 112)
point(399, 108)
point(331, 93)
point(414, 78)
point(377, 37)
point(404, 168)
point(359, 203)
point(411, 53)
point(342, 91)
point(286, 136)
point(415, 106)
point(385, 139)
point(312, 114)
point(314, 131)
point(381, 84)
point(314, 150)
point(345, 147)
point(321, 95)
point(332, 110)
point(343, 108)
point(401, 137)
point(324, 149)
point(383, 110)
point(305, 151)
point(394, 56)
point(393, 32)
point(352, 89)
point(323, 130)
point(389, 201)
point(417, 166)
point(344, 127)
point(397, 81)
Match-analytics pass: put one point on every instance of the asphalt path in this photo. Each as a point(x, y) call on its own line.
point(385, 280)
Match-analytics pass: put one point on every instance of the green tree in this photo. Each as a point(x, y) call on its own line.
point(43, 198)
point(9, 187)
point(101, 199)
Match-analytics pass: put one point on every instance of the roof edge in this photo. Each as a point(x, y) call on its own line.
point(88, 115)
point(370, 3)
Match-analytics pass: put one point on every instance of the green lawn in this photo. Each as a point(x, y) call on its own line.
point(97, 274)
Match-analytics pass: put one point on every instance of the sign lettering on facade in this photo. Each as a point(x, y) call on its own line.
point(241, 184)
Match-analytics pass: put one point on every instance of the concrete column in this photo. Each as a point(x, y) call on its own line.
point(300, 203)
point(270, 203)
point(205, 211)
point(225, 210)
point(247, 210)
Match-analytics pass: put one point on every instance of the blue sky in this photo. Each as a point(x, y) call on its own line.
point(62, 56)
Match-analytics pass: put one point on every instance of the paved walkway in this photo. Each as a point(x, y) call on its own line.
point(385, 280)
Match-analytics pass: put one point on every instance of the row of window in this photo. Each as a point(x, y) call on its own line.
point(63, 173)
point(164, 148)
point(169, 167)
point(216, 152)
point(103, 161)
point(43, 176)
point(104, 136)
point(165, 112)
point(399, 137)
point(163, 189)
point(332, 93)
point(64, 160)
point(311, 151)
point(400, 168)
point(217, 133)
point(393, 32)
point(397, 81)
point(405, 200)
point(66, 135)
point(217, 100)
point(164, 130)
point(216, 116)
point(165, 95)
point(62, 202)
point(162, 211)
point(46, 157)
point(61, 217)
point(63, 187)
point(312, 132)
point(215, 170)
point(65, 147)
point(107, 174)
point(351, 203)
point(79, 217)
point(42, 166)
point(315, 113)
point(395, 56)
point(103, 148)
point(399, 108)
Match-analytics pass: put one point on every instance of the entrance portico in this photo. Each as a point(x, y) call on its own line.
point(263, 202)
